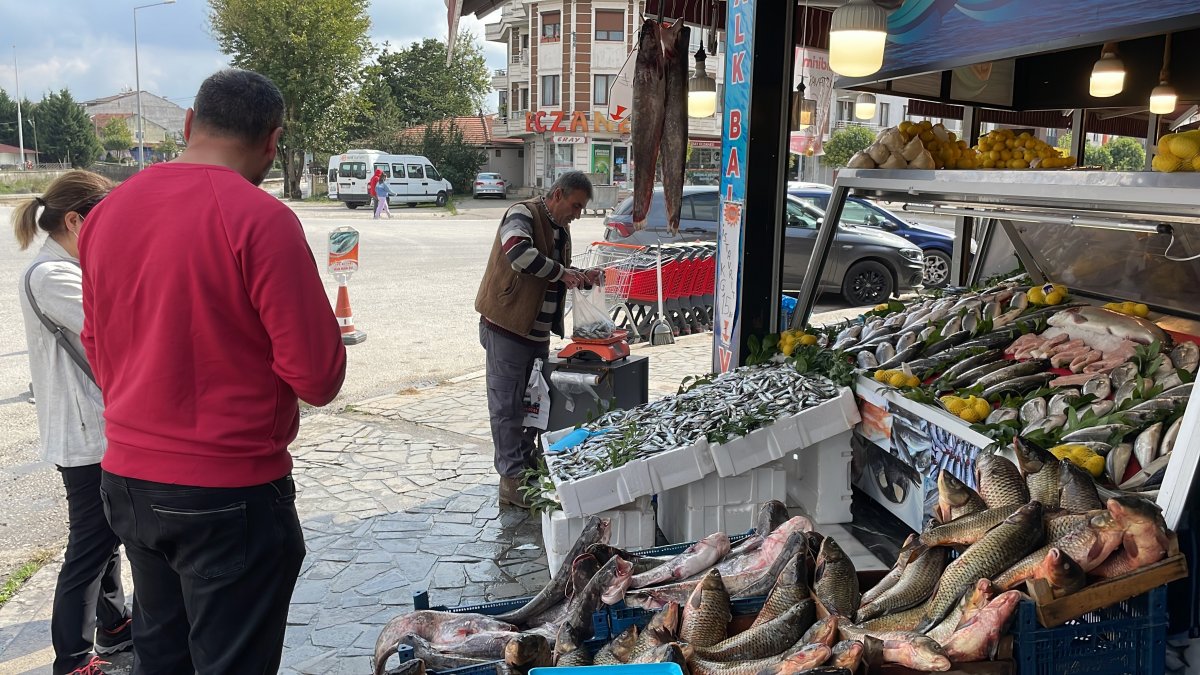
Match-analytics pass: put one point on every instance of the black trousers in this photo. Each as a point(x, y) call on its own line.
point(88, 594)
point(214, 570)
point(509, 365)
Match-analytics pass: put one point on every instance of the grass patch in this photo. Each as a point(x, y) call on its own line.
point(23, 573)
point(20, 185)
point(451, 206)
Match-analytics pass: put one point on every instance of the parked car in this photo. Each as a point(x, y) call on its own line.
point(866, 265)
point(936, 244)
point(490, 184)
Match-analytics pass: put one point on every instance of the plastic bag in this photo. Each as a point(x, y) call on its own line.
point(537, 399)
point(589, 314)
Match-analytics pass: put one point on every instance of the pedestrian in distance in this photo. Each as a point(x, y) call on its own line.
point(382, 192)
point(89, 610)
point(520, 302)
point(203, 345)
point(375, 178)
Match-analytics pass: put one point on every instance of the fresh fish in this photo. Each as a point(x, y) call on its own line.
point(470, 635)
point(799, 658)
point(1145, 446)
point(695, 559)
point(577, 627)
point(906, 340)
point(1020, 300)
point(974, 361)
point(1060, 403)
point(790, 590)
point(956, 498)
point(577, 657)
point(884, 352)
point(866, 360)
point(1042, 471)
point(424, 651)
point(1005, 544)
point(1061, 573)
point(844, 344)
point(662, 629)
point(1169, 403)
point(771, 516)
point(1099, 386)
point(1180, 391)
point(1186, 356)
point(1087, 539)
point(1149, 476)
point(852, 331)
point(978, 638)
point(904, 648)
point(1172, 433)
point(992, 310)
point(1168, 381)
point(952, 326)
point(764, 640)
point(824, 632)
point(972, 601)
point(1116, 461)
point(970, 321)
point(1078, 493)
point(410, 667)
point(835, 580)
point(901, 357)
point(1102, 408)
point(595, 531)
point(1098, 433)
point(1000, 481)
point(619, 649)
point(706, 615)
point(1127, 391)
point(927, 333)
point(1017, 385)
point(1145, 540)
point(1034, 410)
point(917, 583)
point(649, 100)
point(893, 575)
point(969, 528)
point(674, 150)
point(1050, 423)
point(673, 652)
point(1122, 374)
point(947, 342)
point(1011, 371)
point(847, 655)
point(527, 651)
point(1002, 415)
point(1096, 324)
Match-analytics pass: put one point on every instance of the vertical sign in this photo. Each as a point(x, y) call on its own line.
point(739, 62)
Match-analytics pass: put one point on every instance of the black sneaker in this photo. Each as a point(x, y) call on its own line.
point(115, 640)
point(92, 667)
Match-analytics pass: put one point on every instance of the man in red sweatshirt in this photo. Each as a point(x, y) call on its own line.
point(205, 319)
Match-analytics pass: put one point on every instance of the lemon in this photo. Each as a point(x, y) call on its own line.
point(1037, 296)
point(1196, 163)
point(1054, 298)
point(954, 404)
point(897, 379)
point(1006, 155)
point(881, 307)
point(1184, 147)
point(881, 376)
point(982, 408)
point(926, 137)
point(988, 163)
point(1166, 163)
point(912, 381)
point(925, 125)
point(969, 415)
point(1141, 310)
point(808, 340)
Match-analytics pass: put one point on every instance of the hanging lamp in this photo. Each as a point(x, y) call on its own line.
point(702, 88)
point(1108, 75)
point(804, 109)
point(1163, 97)
point(864, 107)
point(857, 36)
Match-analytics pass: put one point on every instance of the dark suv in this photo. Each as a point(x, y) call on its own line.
point(866, 265)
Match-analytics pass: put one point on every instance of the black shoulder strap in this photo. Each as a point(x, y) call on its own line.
point(59, 333)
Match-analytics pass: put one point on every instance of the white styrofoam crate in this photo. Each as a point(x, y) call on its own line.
point(680, 466)
point(713, 504)
point(631, 527)
point(685, 524)
point(818, 479)
point(786, 435)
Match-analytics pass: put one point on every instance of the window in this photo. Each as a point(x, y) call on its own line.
point(397, 171)
point(600, 86)
point(353, 170)
point(706, 206)
point(524, 99)
point(845, 110)
point(551, 26)
point(524, 42)
point(610, 25)
point(414, 171)
point(550, 89)
point(885, 113)
point(856, 213)
point(432, 173)
point(799, 214)
point(497, 152)
point(387, 170)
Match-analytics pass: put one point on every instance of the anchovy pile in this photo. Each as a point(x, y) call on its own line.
point(731, 405)
point(597, 330)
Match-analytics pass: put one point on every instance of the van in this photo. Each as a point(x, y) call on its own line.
point(413, 178)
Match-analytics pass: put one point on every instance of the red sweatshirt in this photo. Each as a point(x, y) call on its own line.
point(205, 318)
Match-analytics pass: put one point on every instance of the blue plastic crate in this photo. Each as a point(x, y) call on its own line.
point(1128, 638)
point(600, 623)
point(676, 549)
point(405, 653)
point(622, 617)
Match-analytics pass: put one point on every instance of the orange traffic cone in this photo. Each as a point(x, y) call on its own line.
point(350, 335)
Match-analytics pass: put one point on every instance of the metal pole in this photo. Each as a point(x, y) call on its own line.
point(816, 264)
point(37, 151)
point(1078, 142)
point(1151, 139)
point(17, 95)
point(137, 78)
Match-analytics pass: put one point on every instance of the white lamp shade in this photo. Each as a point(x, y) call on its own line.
point(864, 107)
point(1163, 99)
point(1108, 76)
point(857, 36)
point(702, 103)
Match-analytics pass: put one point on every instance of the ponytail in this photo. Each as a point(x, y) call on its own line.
point(77, 191)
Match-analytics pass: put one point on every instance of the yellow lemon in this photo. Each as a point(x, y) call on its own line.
point(1059, 287)
point(787, 348)
point(1165, 163)
point(1184, 147)
point(1006, 155)
point(1196, 163)
point(1037, 296)
point(912, 381)
point(897, 379)
point(1141, 310)
point(926, 137)
point(926, 125)
point(982, 408)
point(969, 415)
point(881, 376)
point(1054, 298)
point(988, 163)
point(808, 340)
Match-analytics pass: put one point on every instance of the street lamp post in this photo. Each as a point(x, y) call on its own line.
point(137, 76)
point(37, 153)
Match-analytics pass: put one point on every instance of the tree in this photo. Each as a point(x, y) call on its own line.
point(1127, 154)
point(313, 51)
point(169, 147)
point(115, 136)
point(845, 142)
point(8, 120)
point(444, 146)
point(1097, 155)
point(64, 131)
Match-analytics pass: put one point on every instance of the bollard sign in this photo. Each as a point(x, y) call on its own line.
point(343, 251)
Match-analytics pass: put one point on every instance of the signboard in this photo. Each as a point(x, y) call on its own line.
point(577, 122)
point(813, 66)
point(620, 94)
point(601, 159)
point(704, 143)
point(568, 140)
point(739, 64)
point(343, 251)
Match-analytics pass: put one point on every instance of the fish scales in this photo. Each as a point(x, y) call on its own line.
point(918, 582)
point(707, 613)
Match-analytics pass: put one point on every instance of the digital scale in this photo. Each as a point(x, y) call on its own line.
point(608, 349)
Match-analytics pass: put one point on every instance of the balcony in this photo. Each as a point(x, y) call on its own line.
point(842, 124)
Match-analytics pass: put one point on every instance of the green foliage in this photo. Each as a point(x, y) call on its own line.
point(845, 142)
point(1097, 155)
point(446, 148)
point(169, 148)
point(313, 51)
point(8, 119)
point(1127, 154)
point(822, 361)
point(115, 136)
point(64, 131)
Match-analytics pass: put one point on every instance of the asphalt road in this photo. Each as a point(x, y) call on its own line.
point(413, 296)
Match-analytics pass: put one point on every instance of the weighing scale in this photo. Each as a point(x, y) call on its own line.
point(609, 349)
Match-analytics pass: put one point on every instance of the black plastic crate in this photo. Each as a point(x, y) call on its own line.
point(1128, 638)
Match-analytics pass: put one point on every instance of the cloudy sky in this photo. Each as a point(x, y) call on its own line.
point(87, 45)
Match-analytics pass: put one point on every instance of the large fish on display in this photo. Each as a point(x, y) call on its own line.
point(649, 105)
point(675, 40)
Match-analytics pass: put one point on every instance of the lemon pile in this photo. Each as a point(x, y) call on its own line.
point(1130, 308)
point(790, 339)
point(1178, 152)
point(1047, 294)
point(1081, 456)
point(1004, 149)
point(947, 149)
point(897, 378)
point(971, 409)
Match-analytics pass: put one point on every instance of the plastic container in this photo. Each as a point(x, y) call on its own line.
point(1127, 638)
point(715, 504)
point(600, 626)
point(630, 527)
point(405, 653)
point(819, 481)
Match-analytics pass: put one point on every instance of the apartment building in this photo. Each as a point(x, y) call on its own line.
point(563, 56)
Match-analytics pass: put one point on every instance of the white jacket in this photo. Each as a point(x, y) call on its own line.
point(70, 408)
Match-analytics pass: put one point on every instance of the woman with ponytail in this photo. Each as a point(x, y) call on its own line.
point(89, 603)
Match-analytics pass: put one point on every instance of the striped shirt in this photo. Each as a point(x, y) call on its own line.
point(516, 237)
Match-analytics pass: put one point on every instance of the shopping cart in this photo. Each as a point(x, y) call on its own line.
point(621, 263)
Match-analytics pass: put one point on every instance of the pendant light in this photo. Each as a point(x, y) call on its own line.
point(702, 88)
point(864, 107)
point(804, 109)
point(857, 36)
point(1108, 75)
point(1163, 98)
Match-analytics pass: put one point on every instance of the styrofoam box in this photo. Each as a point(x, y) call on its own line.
point(715, 504)
point(786, 435)
point(630, 527)
point(818, 479)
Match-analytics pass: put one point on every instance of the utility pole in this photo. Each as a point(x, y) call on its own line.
point(20, 124)
point(137, 76)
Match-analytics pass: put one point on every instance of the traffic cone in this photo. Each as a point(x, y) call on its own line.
point(350, 335)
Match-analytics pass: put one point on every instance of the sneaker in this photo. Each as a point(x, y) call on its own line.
point(111, 641)
point(92, 667)
point(510, 493)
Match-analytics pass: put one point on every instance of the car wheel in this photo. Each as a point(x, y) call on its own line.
point(351, 205)
point(412, 205)
point(442, 197)
point(867, 283)
point(937, 269)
